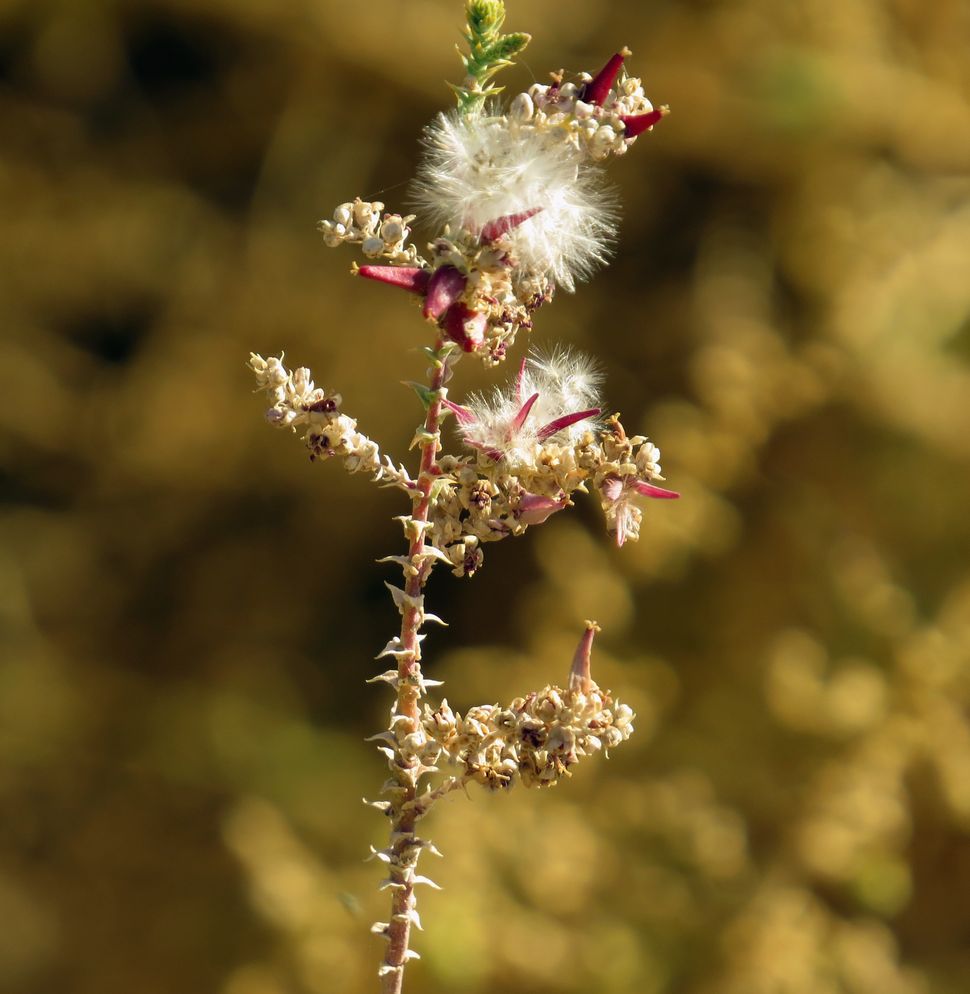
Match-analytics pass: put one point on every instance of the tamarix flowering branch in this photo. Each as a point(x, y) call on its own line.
point(519, 200)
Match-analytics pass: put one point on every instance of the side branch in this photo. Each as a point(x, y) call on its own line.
point(298, 403)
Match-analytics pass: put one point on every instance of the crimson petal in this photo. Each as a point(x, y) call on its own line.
point(636, 124)
point(523, 414)
point(598, 88)
point(547, 431)
point(410, 278)
point(502, 225)
point(445, 286)
point(463, 414)
point(649, 490)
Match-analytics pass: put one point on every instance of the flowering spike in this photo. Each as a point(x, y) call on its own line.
point(547, 431)
point(444, 287)
point(523, 414)
point(464, 326)
point(411, 278)
point(580, 680)
point(501, 225)
point(597, 89)
point(636, 124)
point(649, 490)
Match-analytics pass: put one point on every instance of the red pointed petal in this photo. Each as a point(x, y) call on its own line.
point(636, 124)
point(482, 447)
point(547, 431)
point(502, 225)
point(463, 414)
point(406, 277)
point(580, 679)
point(464, 326)
point(649, 490)
point(598, 88)
point(523, 414)
point(445, 286)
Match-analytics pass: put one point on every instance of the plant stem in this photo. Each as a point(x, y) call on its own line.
point(404, 811)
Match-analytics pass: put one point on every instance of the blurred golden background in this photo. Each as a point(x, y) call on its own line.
point(189, 608)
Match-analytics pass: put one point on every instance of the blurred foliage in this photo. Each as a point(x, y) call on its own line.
point(189, 608)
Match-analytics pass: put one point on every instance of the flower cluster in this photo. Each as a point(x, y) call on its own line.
point(361, 223)
point(298, 403)
point(600, 116)
point(518, 201)
point(535, 739)
point(536, 443)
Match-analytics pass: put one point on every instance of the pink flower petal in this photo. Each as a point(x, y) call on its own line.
point(547, 431)
point(523, 414)
point(463, 414)
point(494, 230)
point(445, 286)
point(611, 488)
point(410, 278)
point(580, 680)
point(534, 509)
point(649, 490)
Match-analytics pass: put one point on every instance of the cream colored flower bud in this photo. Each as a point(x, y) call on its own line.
point(366, 214)
point(333, 235)
point(582, 110)
point(393, 230)
point(344, 215)
point(602, 142)
point(522, 108)
point(372, 247)
point(414, 743)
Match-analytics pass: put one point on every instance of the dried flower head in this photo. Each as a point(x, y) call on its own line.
point(555, 398)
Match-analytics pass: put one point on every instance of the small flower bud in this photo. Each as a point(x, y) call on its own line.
point(522, 108)
point(393, 230)
point(366, 214)
point(602, 142)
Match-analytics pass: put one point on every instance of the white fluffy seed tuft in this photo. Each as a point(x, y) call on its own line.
point(566, 381)
point(478, 169)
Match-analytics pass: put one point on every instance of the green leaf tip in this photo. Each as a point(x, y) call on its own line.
point(488, 52)
point(425, 395)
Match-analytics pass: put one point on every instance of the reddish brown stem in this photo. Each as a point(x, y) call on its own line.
point(405, 812)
